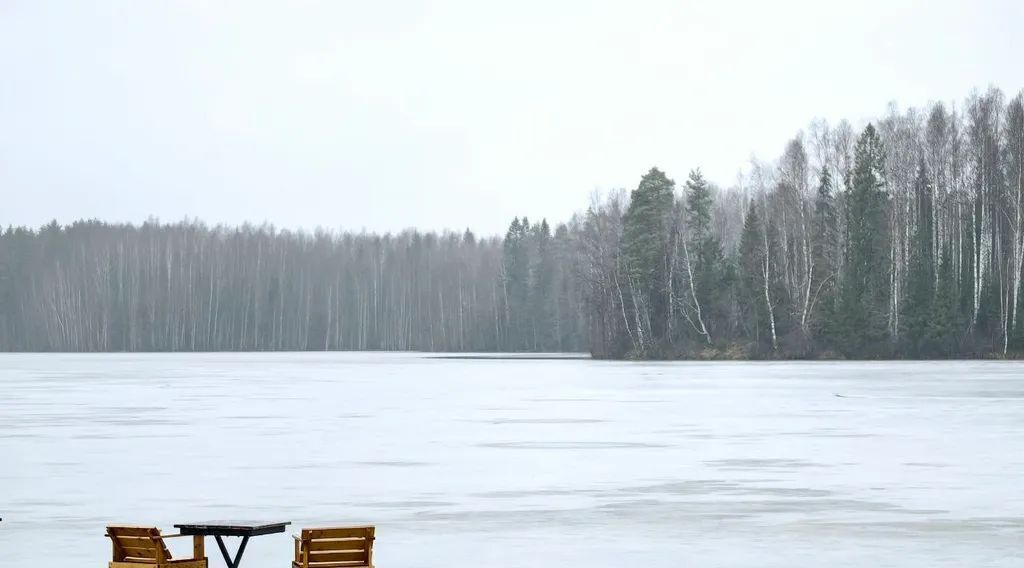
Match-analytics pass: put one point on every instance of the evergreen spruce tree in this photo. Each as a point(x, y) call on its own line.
point(566, 315)
point(988, 327)
point(942, 334)
point(516, 284)
point(863, 310)
point(698, 207)
point(750, 275)
point(542, 291)
point(706, 263)
point(921, 280)
point(645, 249)
point(965, 288)
point(825, 254)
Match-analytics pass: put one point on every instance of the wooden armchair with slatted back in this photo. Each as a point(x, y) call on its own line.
point(135, 547)
point(335, 547)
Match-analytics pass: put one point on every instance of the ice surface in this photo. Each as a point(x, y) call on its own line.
point(520, 463)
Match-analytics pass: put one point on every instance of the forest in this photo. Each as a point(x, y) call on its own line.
point(93, 286)
point(899, 238)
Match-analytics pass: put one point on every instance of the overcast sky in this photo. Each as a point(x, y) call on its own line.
point(391, 114)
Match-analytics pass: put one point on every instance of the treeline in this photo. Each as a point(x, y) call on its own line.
point(904, 238)
point(93, 286)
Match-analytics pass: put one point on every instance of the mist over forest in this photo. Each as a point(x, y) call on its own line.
point(903, 238)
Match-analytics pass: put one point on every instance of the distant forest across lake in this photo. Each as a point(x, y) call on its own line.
point(902, 239)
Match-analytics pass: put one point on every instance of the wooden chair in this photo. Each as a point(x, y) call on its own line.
point(336, 547)
point(142, 546)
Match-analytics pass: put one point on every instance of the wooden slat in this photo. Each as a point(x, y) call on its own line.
point(337, 564)
point(338, 544)
point(139, 552)
point(133, 531)
point(337, 532)
point(136, 541)
point(139, 563)
point(345, 555)
point(140, 547)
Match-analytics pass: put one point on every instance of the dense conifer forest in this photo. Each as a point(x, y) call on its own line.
point(903, 237)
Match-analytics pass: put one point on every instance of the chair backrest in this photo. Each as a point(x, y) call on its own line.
point(141, 545)
point(337, 547)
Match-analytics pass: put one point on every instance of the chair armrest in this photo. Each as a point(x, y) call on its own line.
point(297, 537)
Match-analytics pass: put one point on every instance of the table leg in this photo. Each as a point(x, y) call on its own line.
point(198, 546)
point(227, 557)
point(241, 549)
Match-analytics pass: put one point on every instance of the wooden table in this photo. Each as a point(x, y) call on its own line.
point(220, 529)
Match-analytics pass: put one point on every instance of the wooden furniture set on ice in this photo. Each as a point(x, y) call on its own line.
point(328, 547)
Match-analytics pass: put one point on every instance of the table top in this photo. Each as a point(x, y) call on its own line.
point(232, 528)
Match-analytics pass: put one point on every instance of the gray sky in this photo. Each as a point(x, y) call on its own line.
point(390, 114)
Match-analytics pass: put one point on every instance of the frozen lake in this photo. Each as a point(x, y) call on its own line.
point(527, 463)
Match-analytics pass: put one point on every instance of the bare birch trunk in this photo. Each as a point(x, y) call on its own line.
point(703, 330)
